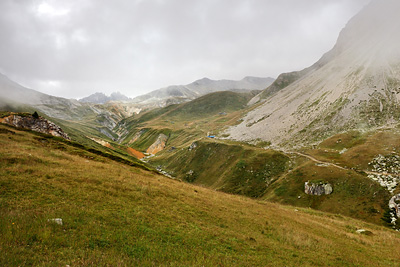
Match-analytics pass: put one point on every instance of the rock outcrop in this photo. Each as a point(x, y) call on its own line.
point(394, 203)
point(158, 145)
point(38, 124)
point(192, 146)
point(317, 189)
point(386, 171)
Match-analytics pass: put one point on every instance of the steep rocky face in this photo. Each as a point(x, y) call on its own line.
point(158, 145)
point(356, 85)
point(39, 124)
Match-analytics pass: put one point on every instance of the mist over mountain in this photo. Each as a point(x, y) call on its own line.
point(101, 98)
point(356, 85)
point(14, 96)
point(182, 93)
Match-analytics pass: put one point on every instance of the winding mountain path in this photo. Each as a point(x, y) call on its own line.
point(337, 166)
point(316, 160)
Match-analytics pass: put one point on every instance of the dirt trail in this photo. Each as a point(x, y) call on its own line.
point(318, 161)
point(337, 166)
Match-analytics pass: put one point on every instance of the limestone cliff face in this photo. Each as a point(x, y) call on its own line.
point(158, 145)
point(39, 124)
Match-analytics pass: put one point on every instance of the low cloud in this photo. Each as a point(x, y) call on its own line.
point(77, 47)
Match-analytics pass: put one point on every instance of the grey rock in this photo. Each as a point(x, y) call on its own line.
point(317, 189)
point(56, 220)
point(40, 125)
point(394, 203)
point(328, 189)
point(192, 146)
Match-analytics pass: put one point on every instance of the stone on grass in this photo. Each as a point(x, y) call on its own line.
point(56, 220)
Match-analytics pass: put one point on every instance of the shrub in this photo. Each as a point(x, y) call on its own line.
point(35, 115)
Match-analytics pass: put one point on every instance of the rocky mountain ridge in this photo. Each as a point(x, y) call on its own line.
point(101, 98)
point(356, 85)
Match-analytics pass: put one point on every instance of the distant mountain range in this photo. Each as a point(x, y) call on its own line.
point(103, 112)
point(176, 94)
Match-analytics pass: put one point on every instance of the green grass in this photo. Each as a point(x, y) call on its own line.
point(118, 215)
point(353, 195)
point(361, 148)
point(344, 140)
point(55, 142)
point(231, 168)
point(211, 104)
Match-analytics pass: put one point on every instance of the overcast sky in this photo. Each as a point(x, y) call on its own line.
point(73, 48)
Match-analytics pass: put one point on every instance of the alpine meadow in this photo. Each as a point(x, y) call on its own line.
point(301, 170)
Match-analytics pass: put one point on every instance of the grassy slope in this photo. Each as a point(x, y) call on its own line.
point(79, 132)
point(354, 150)
point(360, 148)
point(251, 171)
point(114, 214)
point(211, 104)
point(233, 168)
point(354, 194)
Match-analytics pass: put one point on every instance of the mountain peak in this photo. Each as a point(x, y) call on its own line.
point(204, 80)
point(101, 98)
point(253, 79)
point(117, 96)
point(356, 85)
